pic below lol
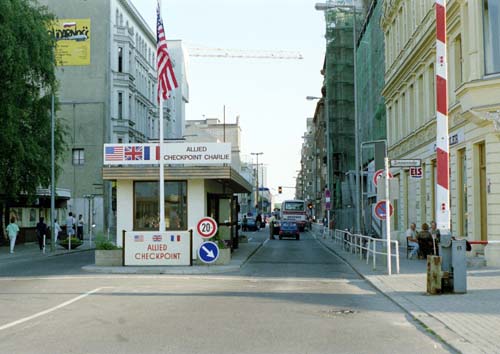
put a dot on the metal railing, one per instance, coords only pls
(365, 245)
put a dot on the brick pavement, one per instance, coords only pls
(469, 323)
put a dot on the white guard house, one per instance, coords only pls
(199, 182)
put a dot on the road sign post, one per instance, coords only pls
(388, 207)
(208, 252)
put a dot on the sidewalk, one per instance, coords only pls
(32, 251)
(470, 323)
(238, 258)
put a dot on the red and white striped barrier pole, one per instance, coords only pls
(442, 140)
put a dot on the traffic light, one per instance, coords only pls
(280, 189)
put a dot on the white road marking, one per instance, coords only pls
(52, 309)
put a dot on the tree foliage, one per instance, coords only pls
(27, 82)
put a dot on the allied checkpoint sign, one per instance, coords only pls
(150, 248)
(173, 154)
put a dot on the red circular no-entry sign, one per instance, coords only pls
(207, 227)
(377, 175)
(380, 210)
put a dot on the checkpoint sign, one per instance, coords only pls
(207, 227)
(380, 210)
(208, 252)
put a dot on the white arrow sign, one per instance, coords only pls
(210, 253)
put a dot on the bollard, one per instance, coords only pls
(434, 275)
(43, 244)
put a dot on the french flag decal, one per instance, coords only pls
(174, 238)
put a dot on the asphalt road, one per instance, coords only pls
(291, 297)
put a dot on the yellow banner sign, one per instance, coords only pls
(73, 41)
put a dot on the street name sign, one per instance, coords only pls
(380, 210)
(406, 163)
(208, 252)
(206, 227)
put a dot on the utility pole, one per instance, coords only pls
(257, 185)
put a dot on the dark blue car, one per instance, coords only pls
(289, 229)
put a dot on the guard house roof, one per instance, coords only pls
(222, 174)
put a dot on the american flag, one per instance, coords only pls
(157, 238)
(166, 76)
(114, 153)
(139, 238)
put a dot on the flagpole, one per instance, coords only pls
(162, 171)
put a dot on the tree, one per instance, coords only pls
(27, 82)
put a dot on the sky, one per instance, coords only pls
(269, 95)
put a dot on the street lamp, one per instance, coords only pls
(327, 140)
(257, 190)
(324, 7)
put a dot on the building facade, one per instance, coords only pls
(473, 29)
(108, 98)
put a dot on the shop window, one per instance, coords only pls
(491, 29)
(147, 209)
(78, 156)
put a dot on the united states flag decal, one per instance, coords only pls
(114, 153)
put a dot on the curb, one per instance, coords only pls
(194, 270)
(432, 325)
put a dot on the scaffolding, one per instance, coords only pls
(370, 61)
(370, 65)
(339, 82)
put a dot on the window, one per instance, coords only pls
(120, 105)
(147, 209)
(491, 29)
(458, 61)
(120, 59)
(78, 157)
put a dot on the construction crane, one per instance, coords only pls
(244, 54)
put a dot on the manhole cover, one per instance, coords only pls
(342, 312)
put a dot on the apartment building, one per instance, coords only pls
(473, 29)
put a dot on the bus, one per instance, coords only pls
(294, 210)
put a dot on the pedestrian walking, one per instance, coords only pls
(271, 227)
(244, 223)
(79, 227)
(12, 232)
(57, 230)
(41, 232)
(70, 225)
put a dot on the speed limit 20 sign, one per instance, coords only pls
(207, 227)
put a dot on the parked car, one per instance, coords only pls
(289, 229)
